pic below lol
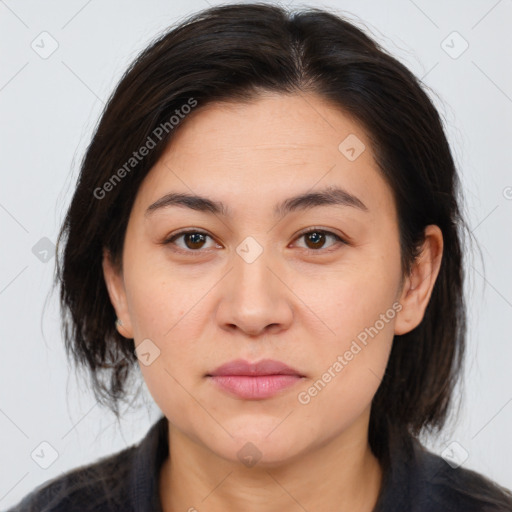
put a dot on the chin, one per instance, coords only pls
(253, 446)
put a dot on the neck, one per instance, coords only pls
(341, 474)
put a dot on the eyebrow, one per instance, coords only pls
(331, 196)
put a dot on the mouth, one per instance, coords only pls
(255, 381)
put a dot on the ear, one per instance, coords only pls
(116, 291)
(418, 285)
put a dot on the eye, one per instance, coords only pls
(193, 240)
(315, 238)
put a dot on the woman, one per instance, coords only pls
(267, 223)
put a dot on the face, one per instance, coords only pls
(314, 284)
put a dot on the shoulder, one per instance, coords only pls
(99, 486)
(447, 488)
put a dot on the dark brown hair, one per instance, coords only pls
(232, 53)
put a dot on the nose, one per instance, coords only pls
(255, 298)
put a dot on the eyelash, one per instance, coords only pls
(170, 240)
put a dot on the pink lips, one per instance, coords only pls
(253, 381)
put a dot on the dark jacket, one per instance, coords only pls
(416, 481)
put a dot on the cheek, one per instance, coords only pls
(159, 297)
(364, 304)
(350, 363)
(359, 308)
(353, 297)
(165, 307)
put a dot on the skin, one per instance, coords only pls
(300, 302)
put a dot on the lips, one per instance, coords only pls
(255, 381)
(240, 367)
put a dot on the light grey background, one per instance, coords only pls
(48, 108)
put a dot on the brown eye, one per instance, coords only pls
(193, 240)
(315, 239)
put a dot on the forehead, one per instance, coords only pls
(295, 124)
(273, 147)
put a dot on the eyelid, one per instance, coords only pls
(185, 232)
